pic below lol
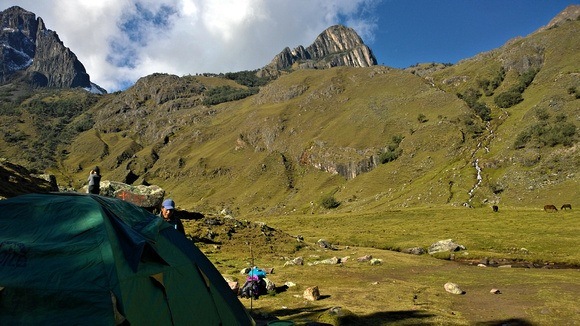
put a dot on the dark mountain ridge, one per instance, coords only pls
(35, 55)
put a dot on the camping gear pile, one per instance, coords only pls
(77, 259)
(255, 284)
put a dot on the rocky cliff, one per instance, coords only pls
(336, 46)
(33, 54)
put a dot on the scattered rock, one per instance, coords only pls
(364, 258)
(295, 261)
(269, 270)
(376, 261)
(324, 244)
(453, 288)
(445, 245)
(270, 286)
(311, 293)
(329, 261)
(481, 265)
(495, 291)
(414, 251)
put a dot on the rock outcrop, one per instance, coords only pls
(572, 12)
(35, 55)
(336, 46)
(16, 180)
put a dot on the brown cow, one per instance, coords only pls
(550, 208)
(566, 206)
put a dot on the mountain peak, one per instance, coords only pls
(338, 45)
(35, 55)
(572, 12)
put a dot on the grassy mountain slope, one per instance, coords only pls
(261, 154)
(314, 135)
(544, 169)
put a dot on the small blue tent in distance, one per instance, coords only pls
(76, 259)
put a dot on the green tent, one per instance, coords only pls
(76, 259)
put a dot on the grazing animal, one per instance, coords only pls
(566, 206)
(495, 208)
(550, 208)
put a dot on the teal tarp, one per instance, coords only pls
(76, 259)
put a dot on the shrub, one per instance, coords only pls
(508, 99)
(542, 114)
(389, 155)
(513, 96)
(422, 118)
(223, 94)
(392, 150)
(482, 111)
(397, 139)
(522, 139)
(84, 123)
(470, 96)
(247, 78)
(329, 202)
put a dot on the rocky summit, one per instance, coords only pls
(336, 46)
(35, 55)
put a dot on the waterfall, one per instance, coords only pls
(479, 179)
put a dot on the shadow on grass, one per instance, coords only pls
(309, 316)
(506, 322)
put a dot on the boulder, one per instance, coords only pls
(453, 288)
(414, 251)
(376, 261)
(270, 286)
(148, 197)
(324, 244)
(295, 261)
(444, 245)
(364, 258)
(311, 293)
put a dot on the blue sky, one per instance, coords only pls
(120, 41)
(448, 31)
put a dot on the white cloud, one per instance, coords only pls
(121, 41)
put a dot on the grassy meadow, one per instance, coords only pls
(406, 289)
(548, 237)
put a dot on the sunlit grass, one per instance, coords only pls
(523, 234)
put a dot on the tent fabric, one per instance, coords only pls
(78, 259)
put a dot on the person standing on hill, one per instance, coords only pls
(168, 214)
(95, 181)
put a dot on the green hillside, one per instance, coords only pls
(499, 128)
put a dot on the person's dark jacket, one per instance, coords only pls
(176, 222)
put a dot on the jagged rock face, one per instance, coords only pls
(35, 54)
(336, 46)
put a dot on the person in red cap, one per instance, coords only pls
(168, 214)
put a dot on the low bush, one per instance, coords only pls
(329, 202)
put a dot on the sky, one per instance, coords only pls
(120, 41)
